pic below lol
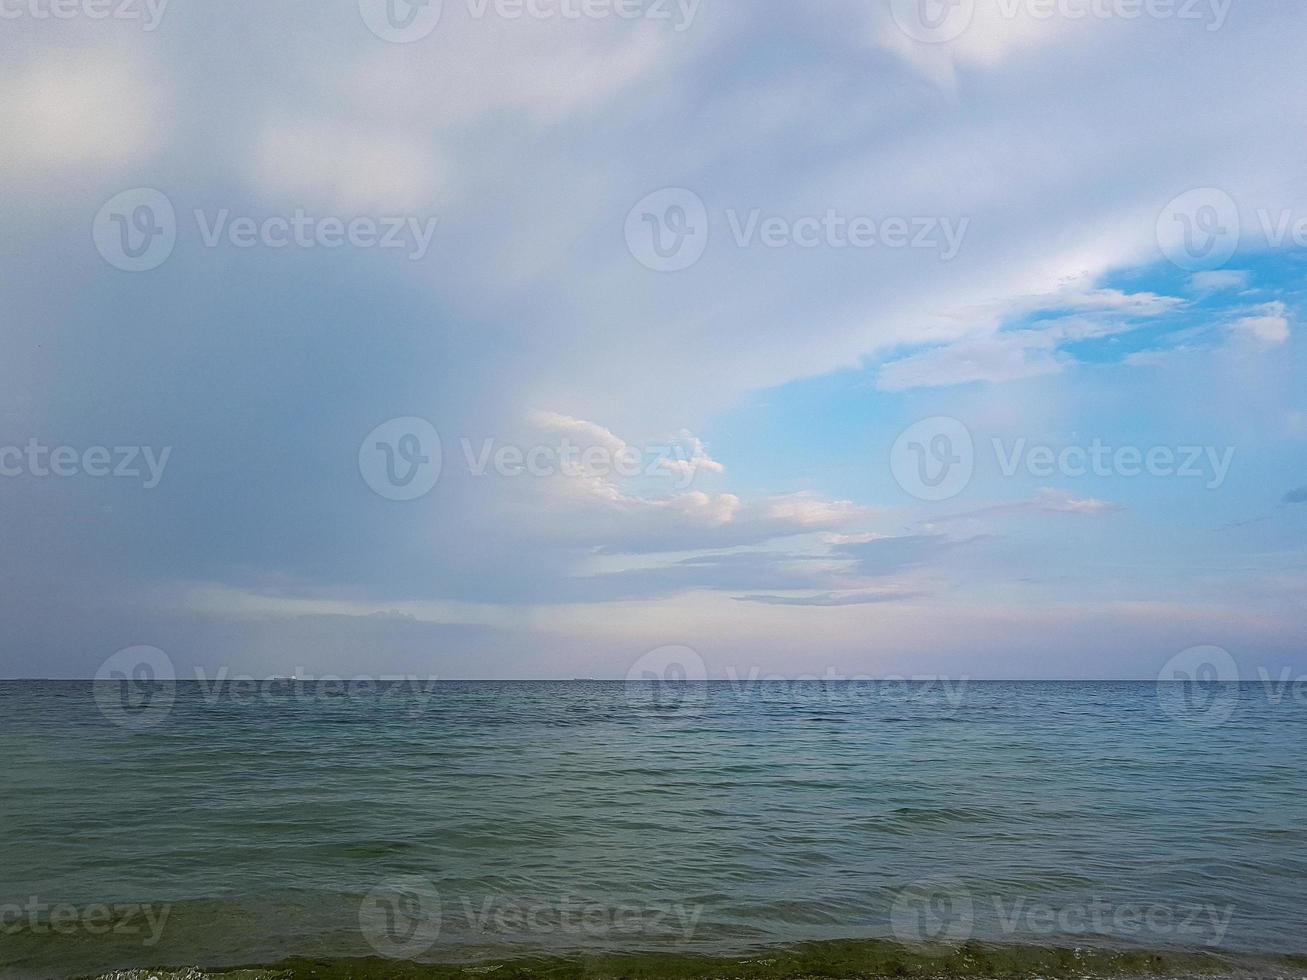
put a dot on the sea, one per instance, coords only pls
(588, 828)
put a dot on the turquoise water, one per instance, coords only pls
(461, 821)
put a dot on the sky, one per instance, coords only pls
(562, 338)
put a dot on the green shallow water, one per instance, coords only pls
(869, 959)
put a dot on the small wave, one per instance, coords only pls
(863, 959)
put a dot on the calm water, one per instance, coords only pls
(450, 821)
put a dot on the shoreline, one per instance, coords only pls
(834, 959)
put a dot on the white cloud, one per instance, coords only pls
(1270, 324)
(805, 510)
(1219, 280)
(1004, 357)
(548, 70)
(596, 507)
(1064, 502)
(691, 457)
(75, 110)
(350, 169)
(990, 39)
(1081, 313)
(586, 433)
(1047, 500)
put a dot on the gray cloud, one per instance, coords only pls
(831, 600)
(264, 369)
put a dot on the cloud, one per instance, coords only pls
(1219, 280)
(1270, 325)
(1005, 357)
(586, 433)
(546, 72)
(532, 142)
(692, 458)
(600, 507)
(1073, 314)
(633, 525)
(1047, 500)
(878, 556)
(1298, 496)
(1053, 501)
(989, 39)
(830, 600)
(70, 111)
(778, 571)
(320, 163)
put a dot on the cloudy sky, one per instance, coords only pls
(505, 339)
